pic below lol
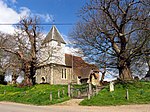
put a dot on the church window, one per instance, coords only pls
(64, 74)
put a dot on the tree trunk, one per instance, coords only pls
(14, 79)
(125, 73)
(32, 72)
(28, 81)
(2, 77)
(124, 67)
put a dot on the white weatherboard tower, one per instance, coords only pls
(52, 57)
(53, 48)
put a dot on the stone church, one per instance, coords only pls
(57, 67)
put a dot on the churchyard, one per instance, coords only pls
(45, 94)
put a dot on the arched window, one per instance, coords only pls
(43, 80)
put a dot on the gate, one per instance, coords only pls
(82, 91)
(79, 91)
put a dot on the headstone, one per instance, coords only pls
(111, 86)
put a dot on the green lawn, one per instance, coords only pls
(139, 93)
(37, 95)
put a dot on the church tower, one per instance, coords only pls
(54, 48)
(56, 66)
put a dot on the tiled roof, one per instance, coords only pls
(53, 35)
(80, 67)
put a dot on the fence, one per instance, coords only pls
(60, 93)
(82, 91)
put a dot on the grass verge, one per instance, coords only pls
(37, 95)
(139, 93)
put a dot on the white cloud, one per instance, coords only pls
(9, 15)
(49, 18)
(7, 29)
(14, 1)
(45, 17)
(69, 49)
(24, 12)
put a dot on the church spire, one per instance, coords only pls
(54, 35)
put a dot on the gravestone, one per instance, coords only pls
(111, 86)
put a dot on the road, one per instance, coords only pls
(15, 107)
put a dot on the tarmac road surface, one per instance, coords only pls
(15, 107)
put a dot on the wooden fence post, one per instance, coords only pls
(90, 88)
(89, 96)
(4, 92)
(127, 94)
(79, 93)
(71, 92)
(24, 92)
(69, 89)
(51, 97)
(87, 90)
(93, 92)
(63, 92)
(96, 90)
(58, 93)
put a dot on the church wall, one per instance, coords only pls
(58, 72)
(45, 73)
(55, 75)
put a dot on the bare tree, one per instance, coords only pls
(9, 61)
(24, 46)
(140, 64)
(112, 26)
